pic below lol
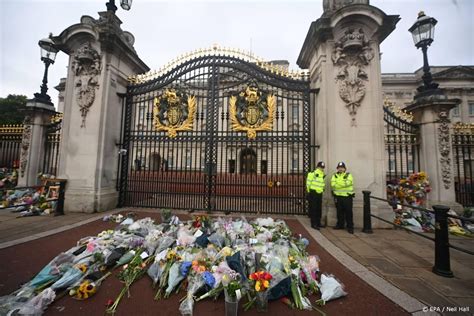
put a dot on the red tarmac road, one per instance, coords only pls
(22, 262)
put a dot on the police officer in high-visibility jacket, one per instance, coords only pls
(342, 185)
(315, 188)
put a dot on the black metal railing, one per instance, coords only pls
(463, 156)
(402, 147)
(10, 145)
(51, 155)
(53, 191)
(442, 264)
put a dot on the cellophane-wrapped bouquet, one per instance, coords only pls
(196, 259)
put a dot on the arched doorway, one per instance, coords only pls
(155, 162)
(248, 161)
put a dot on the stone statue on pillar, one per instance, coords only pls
(333, 5)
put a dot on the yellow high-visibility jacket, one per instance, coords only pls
(315, 181)
(342, 184)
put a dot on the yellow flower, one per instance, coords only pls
(266, 284)
(82, 267)
(170, 255)
(226, 251)
(257, 286)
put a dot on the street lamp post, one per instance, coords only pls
(48, 55)
(423, 35)
(125, 4)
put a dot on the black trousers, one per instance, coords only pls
(315, 205)
(344, 211)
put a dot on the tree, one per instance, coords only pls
(12, 108)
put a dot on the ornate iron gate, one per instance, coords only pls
(53, 138)
(217, 131)
(401, 142)
(10, 145)
(463, 154)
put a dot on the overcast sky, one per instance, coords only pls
(165, 29)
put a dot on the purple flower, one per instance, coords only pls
(184, 269)
(209, 278)
(136, 242)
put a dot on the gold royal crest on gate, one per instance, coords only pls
(174, 112)
(252, 111)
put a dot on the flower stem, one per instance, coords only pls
(111, 309)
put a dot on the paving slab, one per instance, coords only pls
(385, 266)
(455, 287)
(405, 258)
(413, 246)
(361, 249)
(408, 302)
(421, 290)
(407, 261)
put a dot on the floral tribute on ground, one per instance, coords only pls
(27, 201)
(411, 191)
(257, 261)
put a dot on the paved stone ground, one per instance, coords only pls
(405, 260)
(23, 264)
(394, 262)
(14, 230)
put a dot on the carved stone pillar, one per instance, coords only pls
(33, 141)
(436, 154)
(101, 58)
(342, 52)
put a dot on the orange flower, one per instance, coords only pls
(262, 280)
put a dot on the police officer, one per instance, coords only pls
(343, 189)
(315, 188)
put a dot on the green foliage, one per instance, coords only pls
(12, 108)
(468, 212)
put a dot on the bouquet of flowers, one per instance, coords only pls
(130, 273)
(201, 221)
(411, 191)
(261, 259)
(166, 263)
(262, 280)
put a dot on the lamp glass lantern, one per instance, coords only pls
(48, 50)
(423, 30)
(126, 4)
